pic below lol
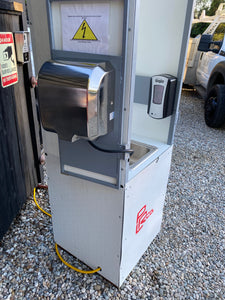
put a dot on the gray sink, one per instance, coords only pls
(141, 152)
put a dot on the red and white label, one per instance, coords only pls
(142, 217)
(8, 64)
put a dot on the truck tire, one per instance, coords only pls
(215, 106)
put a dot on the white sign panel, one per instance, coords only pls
(85, 27)
(8, 64)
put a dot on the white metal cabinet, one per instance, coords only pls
(104, 224)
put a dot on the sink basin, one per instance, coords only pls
(141, 152)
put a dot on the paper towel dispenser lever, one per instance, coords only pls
(76, 99)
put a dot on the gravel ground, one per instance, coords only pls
(185, 261)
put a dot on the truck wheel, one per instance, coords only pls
(215, 106)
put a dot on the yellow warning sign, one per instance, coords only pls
(84, 32)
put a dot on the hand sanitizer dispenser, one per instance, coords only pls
(162, 96)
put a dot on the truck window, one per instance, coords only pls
(219, 33)
(217, 38)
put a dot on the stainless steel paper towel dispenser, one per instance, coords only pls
(76, 100)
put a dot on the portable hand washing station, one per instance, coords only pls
(109, 83)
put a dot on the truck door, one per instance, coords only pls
(208, 60)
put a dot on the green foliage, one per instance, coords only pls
(198, 28)
(214, 7)
(200, 5)
(219, 33)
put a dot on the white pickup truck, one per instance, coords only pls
(206, 69)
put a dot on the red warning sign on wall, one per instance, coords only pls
(8, 64)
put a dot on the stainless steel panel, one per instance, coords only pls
(76, 99)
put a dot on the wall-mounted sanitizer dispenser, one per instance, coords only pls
(76, 99)
(108, 121)
(162, 96)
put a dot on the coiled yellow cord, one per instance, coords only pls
(56, 246)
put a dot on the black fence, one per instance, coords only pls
(19, 129)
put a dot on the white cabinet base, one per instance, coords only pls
(102, 226)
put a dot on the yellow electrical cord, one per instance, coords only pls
(45, 212)
(73, 268)
(56, 246)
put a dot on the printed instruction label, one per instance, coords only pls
(8, 64)
(25, 42)
(85, 27)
